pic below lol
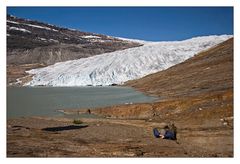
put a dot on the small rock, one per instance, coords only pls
(139, 153)
(89, 111)
(225, 123)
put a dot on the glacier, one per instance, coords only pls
(123, 65)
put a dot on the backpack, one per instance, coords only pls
(173, 130)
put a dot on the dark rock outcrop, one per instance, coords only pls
(31, 41)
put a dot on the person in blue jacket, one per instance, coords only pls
(165, 133)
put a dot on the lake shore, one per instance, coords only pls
(200, 133)
(204, 129)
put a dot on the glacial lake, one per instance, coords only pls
(45, 101)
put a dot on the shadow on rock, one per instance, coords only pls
(62, 128)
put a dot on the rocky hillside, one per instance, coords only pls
(31, 42)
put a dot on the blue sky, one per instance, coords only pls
(146, 23)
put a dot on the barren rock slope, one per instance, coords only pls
(30, 41)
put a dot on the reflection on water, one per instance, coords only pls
(44, 101)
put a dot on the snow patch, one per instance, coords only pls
(42, 27)
(12, 22)
(43, 39)
(19, 29)
(135, 40)
(91, 37)
(72, 29)
(120, 66)
(31, 25)
(53, 40)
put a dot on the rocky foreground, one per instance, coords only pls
(196, 95)
(27, 137)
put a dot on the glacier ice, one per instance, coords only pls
(120, 66)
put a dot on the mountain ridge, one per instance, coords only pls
(31, 42)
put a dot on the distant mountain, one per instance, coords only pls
(120, 66)
(31, 42)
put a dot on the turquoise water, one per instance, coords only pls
(45, 101)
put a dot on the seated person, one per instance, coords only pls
(165, 133)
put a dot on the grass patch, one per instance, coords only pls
(77, 121)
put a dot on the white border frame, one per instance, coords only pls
(234, 3)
